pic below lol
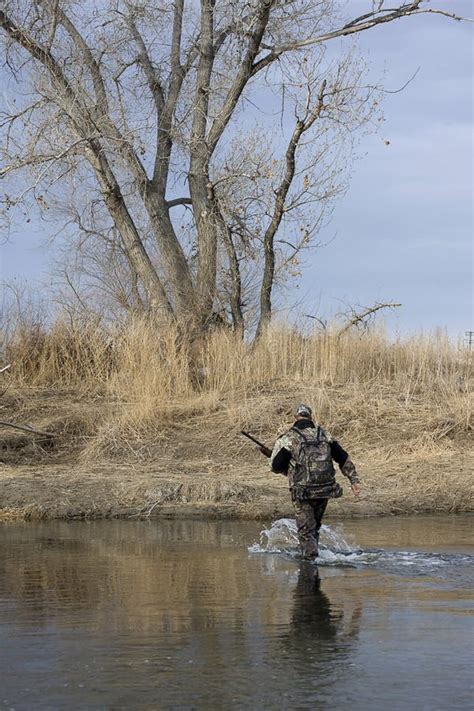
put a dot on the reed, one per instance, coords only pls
(65, 354)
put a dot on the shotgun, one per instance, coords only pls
(263, 448)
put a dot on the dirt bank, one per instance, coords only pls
(201, 466)
(205, 488)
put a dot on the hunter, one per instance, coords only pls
(305, 454)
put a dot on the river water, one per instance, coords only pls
(220, 615)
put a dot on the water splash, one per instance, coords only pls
(282, 537)
(279, 538)
(335, 550)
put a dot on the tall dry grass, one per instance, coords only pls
(78, 355)
(358, 384)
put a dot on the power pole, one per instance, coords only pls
(469, 339)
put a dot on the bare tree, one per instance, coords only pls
(195, 148)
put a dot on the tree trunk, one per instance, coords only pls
(136, 253)
(175, 264)
(199, 183)
(235, 296)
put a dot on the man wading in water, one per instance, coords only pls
(305, 454)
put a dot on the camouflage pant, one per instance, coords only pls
(309, 514)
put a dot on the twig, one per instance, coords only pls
(5, 367)
(27, 428)
(323, 324)
(152, 507)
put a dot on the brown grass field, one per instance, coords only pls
(146, 422)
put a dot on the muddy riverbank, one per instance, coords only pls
(204, 488)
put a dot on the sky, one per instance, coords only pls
(403, 231)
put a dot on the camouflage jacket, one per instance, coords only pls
(282, 460)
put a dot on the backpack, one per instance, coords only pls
(313, 467)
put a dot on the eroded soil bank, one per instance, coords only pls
(203, 467)
(202, 489)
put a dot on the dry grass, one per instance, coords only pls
(64, 355)
(147, 420)
(374, 393)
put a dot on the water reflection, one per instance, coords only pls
(175, 578)
(312, 615)
(179, 615)
(319, 639)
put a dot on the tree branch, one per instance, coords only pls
(268, 241)
(40, 159)
(164, 141)
(54, 24)
(27, 428)
(91, 63)
(243, 75)
(360, 317)
(322, 323)
(179, 201)
(151, 76)
(39, 52)
(360, 24)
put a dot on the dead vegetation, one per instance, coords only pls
(164, 407)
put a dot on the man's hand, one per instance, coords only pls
(356, 488)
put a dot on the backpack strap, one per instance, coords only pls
(295, 429)
(300, 432)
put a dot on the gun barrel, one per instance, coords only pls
(251, 438)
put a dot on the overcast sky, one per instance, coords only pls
(403, 232)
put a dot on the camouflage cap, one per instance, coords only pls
(303, 411)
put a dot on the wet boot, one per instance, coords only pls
(309, 549)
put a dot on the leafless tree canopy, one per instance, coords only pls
(189, 149)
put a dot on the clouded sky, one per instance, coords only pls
(403, 232)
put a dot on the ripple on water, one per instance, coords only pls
(335, 550)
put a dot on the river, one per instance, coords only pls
(193, 614)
